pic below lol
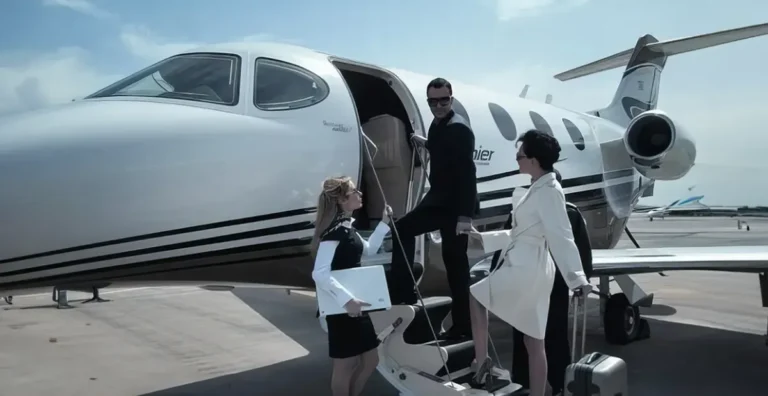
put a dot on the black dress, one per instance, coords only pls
(347, 336)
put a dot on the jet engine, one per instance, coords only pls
(658, 147)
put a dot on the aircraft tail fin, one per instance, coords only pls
(639, 87)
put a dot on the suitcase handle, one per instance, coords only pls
(575, 302)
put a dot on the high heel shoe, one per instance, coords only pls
(483, 377)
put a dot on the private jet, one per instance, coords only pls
(204, 168)
(679, 204)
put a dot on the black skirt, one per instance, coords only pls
(350, 337)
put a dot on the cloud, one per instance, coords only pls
(29, 80)
(510, 9)
(142, 43)
(82, 6)
(33, 80)
(582, 95)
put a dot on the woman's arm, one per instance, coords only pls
(557, 231)
(321, 274)
(497, 255)
(372, 245)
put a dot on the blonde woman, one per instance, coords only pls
(352, 340)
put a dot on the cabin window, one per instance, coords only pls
(576, 136)
(283, 86)
(503, 121)
(199, 77)
(540, 123)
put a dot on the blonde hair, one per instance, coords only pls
(334, 188)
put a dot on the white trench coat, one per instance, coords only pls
(518, 291)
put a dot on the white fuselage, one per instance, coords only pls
(137, 189)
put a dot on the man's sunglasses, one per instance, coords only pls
(434, 102)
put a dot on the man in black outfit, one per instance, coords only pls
(449, 207)
(556, 339)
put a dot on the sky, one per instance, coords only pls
(52, 51)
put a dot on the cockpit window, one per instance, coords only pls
(212, 78)
(283, 86)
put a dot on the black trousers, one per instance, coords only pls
(556, 341)
(421, 220)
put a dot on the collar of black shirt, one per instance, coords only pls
(445, 119)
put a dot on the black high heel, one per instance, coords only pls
(483, 377)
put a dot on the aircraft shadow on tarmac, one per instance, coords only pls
(677, 360)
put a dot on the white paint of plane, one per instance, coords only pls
(204, 169)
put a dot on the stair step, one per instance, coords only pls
(461, 353)
(418, 332)
(497, 385)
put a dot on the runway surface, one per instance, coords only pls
(707, 335)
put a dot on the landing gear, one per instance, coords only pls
(8, 300)
(95, 297)
(622, 321)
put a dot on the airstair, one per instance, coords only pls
(413, 361)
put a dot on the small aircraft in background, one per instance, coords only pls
(689, 203)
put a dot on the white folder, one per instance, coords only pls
(367, 283)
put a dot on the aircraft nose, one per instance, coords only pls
(51, 125)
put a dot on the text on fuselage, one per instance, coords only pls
(482, 156)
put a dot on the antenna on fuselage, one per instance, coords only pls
(524, 91)
(548, 100)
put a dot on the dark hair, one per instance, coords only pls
(558, 176)
(542, 146)
(439, 83)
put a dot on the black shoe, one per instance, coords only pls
(483, 378)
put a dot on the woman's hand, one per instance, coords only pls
(354, 307)
(583, 290)
(386, 215)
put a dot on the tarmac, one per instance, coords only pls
(708, 335)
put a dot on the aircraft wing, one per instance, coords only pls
(611, 262)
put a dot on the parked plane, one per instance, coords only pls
(661, 212)
(204, 168)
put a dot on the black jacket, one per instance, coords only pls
(580, 237)
(452, 176)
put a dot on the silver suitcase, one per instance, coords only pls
(594, 374)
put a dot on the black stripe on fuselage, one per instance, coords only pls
(586, 200)
(161, 234)
(568, 183)
(304, 225)
(278, 250)
(607, 175)
(214, 258)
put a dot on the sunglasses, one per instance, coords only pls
(443, 101)
(355, 191)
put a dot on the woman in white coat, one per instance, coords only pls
(518, 290)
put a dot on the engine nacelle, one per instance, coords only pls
(659, 148)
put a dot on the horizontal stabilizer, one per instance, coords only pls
(668, 48)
